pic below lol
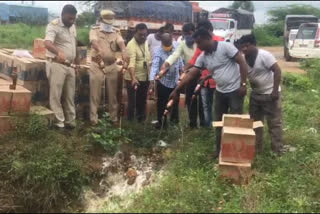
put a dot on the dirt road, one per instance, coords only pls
(293, 67)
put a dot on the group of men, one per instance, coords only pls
(156, 63)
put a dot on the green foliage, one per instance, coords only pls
(271, 33)
(192, 184)
(265, 36)
(297, 82)
(40, 167)
(31, 127)
(109, 137)
(86, 19)
(21, 36)
(278, 14)
(312, 66)
(244, 5)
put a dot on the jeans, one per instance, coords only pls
(207, 100)
(226, 103)
(163, 96)
(193, 109)
(261, 106)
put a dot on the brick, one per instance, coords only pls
(39, 50)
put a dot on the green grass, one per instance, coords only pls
(21, 36)
(287, 184)
(266, 36)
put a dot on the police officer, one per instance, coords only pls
(107, 46)
(60, 42)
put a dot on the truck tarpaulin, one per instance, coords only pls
(169, 11)
(244, 18)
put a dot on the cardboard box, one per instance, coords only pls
(237, 138)
(238, 173)
(5, 101)
(39, 50)
(14, 101)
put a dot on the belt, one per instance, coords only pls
(54, 60)
(98, 60)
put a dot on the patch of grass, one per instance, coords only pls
(41, 169)
(281, 184)
(21, 36)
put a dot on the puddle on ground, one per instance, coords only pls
(122, 177)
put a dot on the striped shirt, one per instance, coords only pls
(170, 79)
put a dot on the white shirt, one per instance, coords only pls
(222, 66)
(260, 75)
(153, 43)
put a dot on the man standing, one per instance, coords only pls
(154, 41)
(208, 85)
(107, 46)
(169, 81)
(137, 79)
(60, 42)
(222, 60)
(186, 50)
(264, 75)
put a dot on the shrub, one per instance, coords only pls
(107, 136)
(296, 81)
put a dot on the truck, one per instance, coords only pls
(231, 24)
(293, 22)
(154, 14)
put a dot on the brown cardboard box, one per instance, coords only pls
(14, 101)
(5, 101)
(238, 138)
(239, 173)
(39, 50)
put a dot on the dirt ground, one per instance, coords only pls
(292, 67)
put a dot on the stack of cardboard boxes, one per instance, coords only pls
(237, 147)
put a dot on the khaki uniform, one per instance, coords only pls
(111, 72)
(61, 78)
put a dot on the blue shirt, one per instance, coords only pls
(170, 79)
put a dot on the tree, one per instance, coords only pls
(244, 5)
(86, 18)
(277, 16)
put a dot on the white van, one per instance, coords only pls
(292, 37)
(307, 42)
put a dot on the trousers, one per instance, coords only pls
(109, 77)
(226, 103)
(62, 83)
(260, 107)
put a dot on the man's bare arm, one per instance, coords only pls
(276, 79)
(243, 73)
